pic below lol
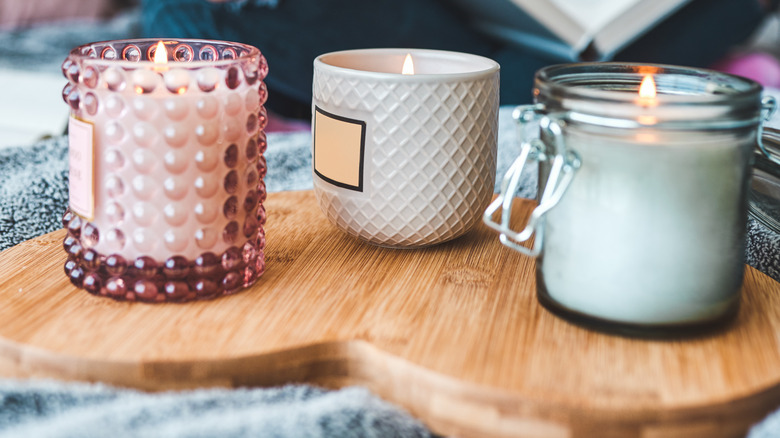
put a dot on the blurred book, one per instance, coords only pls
(569, 30)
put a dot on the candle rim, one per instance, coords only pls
(545, 81)
(77, 53)
(488, 66)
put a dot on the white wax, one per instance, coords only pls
(651, 230)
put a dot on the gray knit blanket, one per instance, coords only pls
(54, 409)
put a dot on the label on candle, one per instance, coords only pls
(339, 148)
(81, 185)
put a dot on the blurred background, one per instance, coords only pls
(36, 36)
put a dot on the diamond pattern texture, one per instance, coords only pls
(430, 155)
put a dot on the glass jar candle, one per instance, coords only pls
(166, 168)
(644, 173)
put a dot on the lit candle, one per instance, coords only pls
(170, 208)
(408, 67)
(404, 142)
(649, 232)
(647, 98)
(647, 88)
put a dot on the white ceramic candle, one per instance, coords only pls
(404, 159)
(641, 223)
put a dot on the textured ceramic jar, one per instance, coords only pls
(166, 168)
(404, 160)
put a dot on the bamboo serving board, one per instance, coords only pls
(452, 333)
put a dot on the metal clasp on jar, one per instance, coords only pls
(768, 108)
(563, 164)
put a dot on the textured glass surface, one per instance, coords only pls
(171, 143)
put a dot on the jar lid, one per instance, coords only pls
(764, 195)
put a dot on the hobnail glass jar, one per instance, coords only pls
(166, 168)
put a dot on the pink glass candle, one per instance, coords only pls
(166, 168)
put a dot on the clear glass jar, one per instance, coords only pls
(643, 200)
(764, 198)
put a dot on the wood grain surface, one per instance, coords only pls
(453, 333)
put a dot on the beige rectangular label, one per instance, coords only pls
(339, 149)
(81, 155)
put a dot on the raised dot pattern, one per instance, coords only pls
(178, 215)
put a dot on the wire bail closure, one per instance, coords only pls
(768, 108)
(563, 164)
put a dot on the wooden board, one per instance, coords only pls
(452, 333)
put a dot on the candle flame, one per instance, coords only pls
(647, 88)
(408, 68)
(160, 59)
(160, 55)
